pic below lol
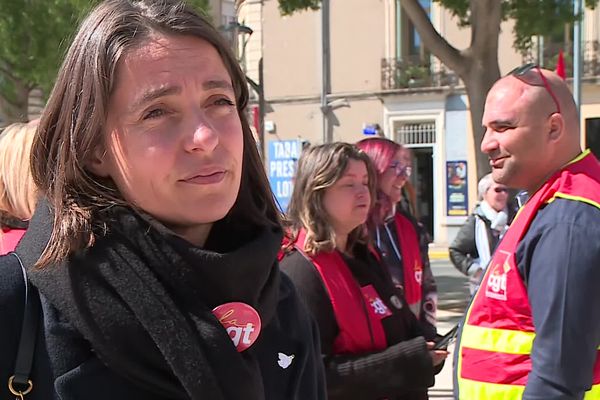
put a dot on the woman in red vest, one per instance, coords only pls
(372, 344)
(397, 234)
(18, 194)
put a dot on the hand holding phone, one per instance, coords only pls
(444, 341)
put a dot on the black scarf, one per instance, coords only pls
(8, 221)
(143, 296)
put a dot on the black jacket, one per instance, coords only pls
(66, 367)
(402, 371)
(463, 251)
(428, 306)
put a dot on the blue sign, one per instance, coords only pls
(283, 156)
(457, 190)
(371, 129)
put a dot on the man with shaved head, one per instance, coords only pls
(532, 330)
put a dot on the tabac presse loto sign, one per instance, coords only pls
(283, 156)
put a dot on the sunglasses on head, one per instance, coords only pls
(526, 74)
(400, 169)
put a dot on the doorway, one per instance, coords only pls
(592, 135)
(422, 180)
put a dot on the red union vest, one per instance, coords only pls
(358, 311)
(412, 264)
(496, 340)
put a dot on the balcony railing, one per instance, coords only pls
(406, 74)
(591, 58)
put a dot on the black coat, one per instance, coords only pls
(66, 368)
(404, 370)
(463, 251)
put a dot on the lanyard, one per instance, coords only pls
(392, 241)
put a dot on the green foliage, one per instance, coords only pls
(288, 7)
(532, 17)
(412, 76)
(458, 8)
(34, 35)
(540, 17)
(202, 6)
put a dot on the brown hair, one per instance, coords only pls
(72, 123)
(319, 168)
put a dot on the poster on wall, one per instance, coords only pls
(457, 193)
(283, 156)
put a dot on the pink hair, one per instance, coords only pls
(381, 151)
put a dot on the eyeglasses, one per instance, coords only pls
(400, 169)
(501, 190)
(522, 74)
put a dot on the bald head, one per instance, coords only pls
(537, 98)
(532, 128)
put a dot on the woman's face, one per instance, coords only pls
(174, 140)
(497, 196)
(348, 200)
(394, 177)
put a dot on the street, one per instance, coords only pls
(453, 293)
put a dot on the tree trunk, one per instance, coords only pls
(477, 86)
(483, 69)
(477, 65)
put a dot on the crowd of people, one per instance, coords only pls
(144, 255)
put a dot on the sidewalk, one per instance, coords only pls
(453, 295)
(443, 381)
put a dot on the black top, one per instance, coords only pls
(392, 257)
(72, 361)
(559, 258)
(403, 370)
(463, 250)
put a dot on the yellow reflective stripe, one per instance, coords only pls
(576, 198)
(593, 393)
(471, 390)
(497, 340)
(580, 157)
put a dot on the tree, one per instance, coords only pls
(35, 35)
(477, 65)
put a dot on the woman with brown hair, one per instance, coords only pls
(372, 345)
(155, 251)
(18, 194)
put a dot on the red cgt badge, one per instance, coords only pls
(241, 322)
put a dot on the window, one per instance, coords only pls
(415, 133)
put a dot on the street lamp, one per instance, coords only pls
(235, 29)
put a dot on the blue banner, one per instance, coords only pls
(283, 156)
(457, 193)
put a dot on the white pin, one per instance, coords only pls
(285, 360)
(396, 302)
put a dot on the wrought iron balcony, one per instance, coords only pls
(409, 74)
(590, 52)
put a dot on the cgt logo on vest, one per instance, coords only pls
(495, 287)
(418, 273)
(241, 322)
(377, 305)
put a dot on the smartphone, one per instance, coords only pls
(443, 342)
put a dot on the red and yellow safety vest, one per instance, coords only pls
(496, 340)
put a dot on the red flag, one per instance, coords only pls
(560, 66)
